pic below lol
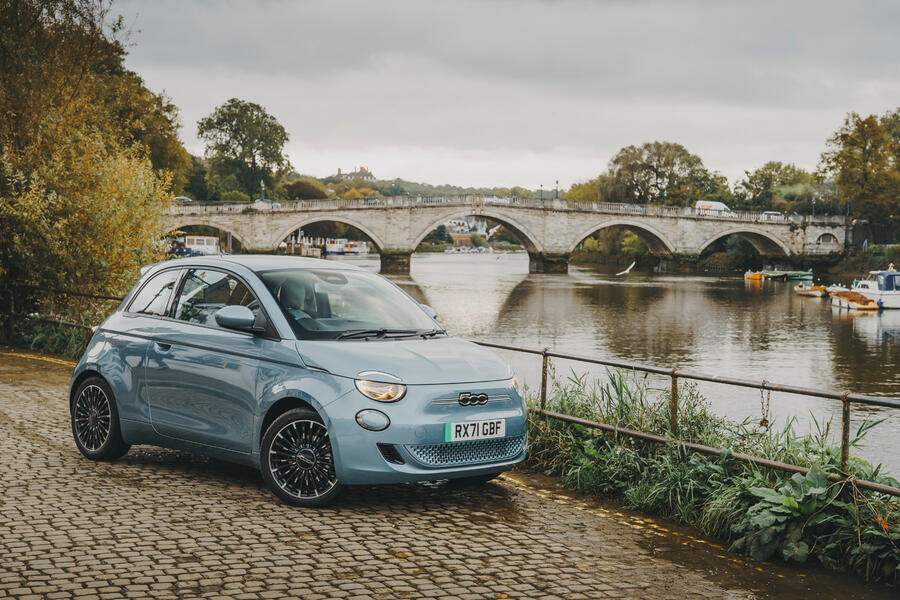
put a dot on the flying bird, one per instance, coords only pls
(625, 272)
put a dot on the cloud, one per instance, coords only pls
(503, 93)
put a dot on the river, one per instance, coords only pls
(713, 324)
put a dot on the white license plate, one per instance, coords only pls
(474, 430)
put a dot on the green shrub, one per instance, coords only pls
(49, 337)
(235, 196)
(764, 513)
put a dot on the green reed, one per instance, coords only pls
(764, 513)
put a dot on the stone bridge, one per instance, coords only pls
(549, 229)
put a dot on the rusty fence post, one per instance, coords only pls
(673, 405)
(845, 434)
(544, 378)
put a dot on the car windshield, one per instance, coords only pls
(339, 304)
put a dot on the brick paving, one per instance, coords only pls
(166, 524)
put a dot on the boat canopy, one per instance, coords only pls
(888, 281)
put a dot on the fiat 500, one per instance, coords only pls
(318, 373)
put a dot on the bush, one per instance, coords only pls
(764, 513)
(52, 338)
(235, 196)
(304, 190)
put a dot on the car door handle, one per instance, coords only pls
(163, 347)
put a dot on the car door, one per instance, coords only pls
(202, 378)
(130, 332)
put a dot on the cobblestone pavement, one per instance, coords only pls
(166, 524)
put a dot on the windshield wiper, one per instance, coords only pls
(356, 334)
(432, 332)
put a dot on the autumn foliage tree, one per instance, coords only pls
(80, 196)
(863, 159)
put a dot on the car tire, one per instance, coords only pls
(95, 421)
(296, 459)
(474, 481)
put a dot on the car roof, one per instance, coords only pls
(261, 262)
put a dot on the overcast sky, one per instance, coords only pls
(524, 92)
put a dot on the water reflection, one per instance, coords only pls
(720, 325)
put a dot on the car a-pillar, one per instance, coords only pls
(395, 261)
(548, 262)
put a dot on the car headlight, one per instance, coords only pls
(380, 391)
(516, 386)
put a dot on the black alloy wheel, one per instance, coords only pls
(296, 459)
(95, 421)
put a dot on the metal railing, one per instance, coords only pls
(481, 201)
(846, 398)
(52, 294)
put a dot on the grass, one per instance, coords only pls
(763, 513)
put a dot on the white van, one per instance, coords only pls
(716, 209)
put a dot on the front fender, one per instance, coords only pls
(316, 388)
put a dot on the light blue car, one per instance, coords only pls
(318, 373)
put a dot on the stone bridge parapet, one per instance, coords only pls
(549, 229)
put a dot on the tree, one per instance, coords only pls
(654, 173)
(439, 235)
(234, 196)
(304, 189)
(862, 159)
(196, 188)
(80, 200)
(769, 186)
(661, 173)
(150, 120)
(246, 142)
(588, 191)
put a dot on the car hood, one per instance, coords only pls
(414, 361)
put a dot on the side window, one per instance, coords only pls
(205, 291)
(154, 296)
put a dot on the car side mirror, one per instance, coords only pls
(239, 318)
(429, 311)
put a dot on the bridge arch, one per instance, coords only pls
(658, 244)
(764, 242)
(529, 240)
(328, 218)
(175, 224)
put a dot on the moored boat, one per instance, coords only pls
(816, 291)
(881, 287)
(798, 275)
(753, 275)
(853, 300)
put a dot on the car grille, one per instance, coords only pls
(455, 400)
(467, 453)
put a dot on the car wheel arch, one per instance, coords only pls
(281, 406)
(84, 375)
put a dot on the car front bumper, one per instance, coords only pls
(413, 446)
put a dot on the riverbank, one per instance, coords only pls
(858, 264)
(765, 514)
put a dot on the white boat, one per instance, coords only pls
(834, 288)
(336, 247)
(815, 291)
(882, 287)
(853, 300)
(357, 248)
